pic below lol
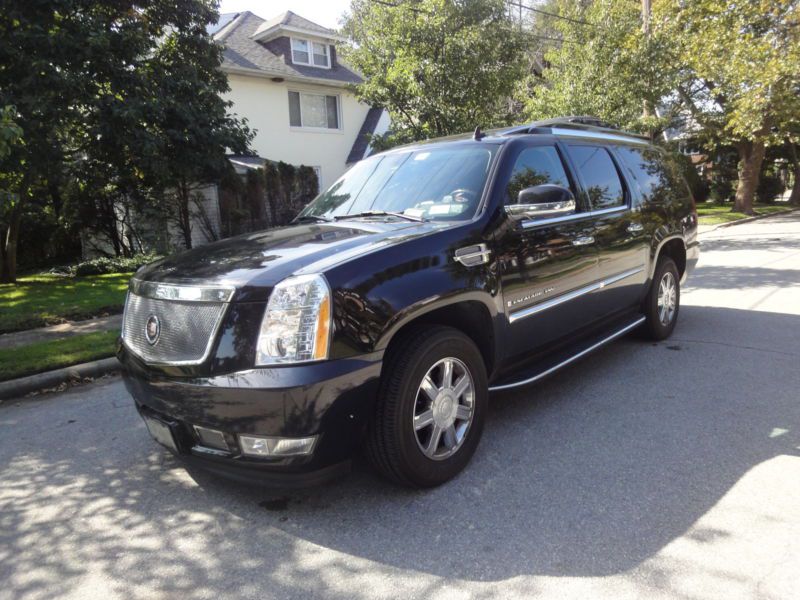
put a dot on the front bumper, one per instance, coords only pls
(331, 400)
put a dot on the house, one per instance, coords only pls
(287, 80)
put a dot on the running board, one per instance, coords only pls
(527, 378)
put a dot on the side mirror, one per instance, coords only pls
(543, 202)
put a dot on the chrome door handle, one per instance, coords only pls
(583, 241)
(635, 228)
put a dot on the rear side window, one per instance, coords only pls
(657, 179)
(599, 175)
(535, 166)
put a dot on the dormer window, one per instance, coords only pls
(314, 54)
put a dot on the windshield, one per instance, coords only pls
(442, 183)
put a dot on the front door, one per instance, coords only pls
(547, 264)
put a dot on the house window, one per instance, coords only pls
(306, 52)
(313, 110)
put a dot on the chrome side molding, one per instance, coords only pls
(574, 216)
(571, 359)
(593, 287)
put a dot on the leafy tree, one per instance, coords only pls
(439, 67)
(606, 66)
(10, 132)
(741, 73)
(794, 152)
(119, 103)
(790, 150)
(36, 57)
(194, 126)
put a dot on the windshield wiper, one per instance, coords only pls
(311, 219)
(380, 213)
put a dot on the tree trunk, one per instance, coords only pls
(184, 216)
(794, 198)
(8, 246)
(751, 155)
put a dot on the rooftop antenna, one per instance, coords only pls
(478, 135)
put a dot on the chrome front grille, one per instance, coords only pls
(185, 328)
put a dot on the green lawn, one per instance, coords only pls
(714, 214)
(40, 300)
(46, 356)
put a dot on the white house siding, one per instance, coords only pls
(94, 247)
(210, 206)
(265, 104)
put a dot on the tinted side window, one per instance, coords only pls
(535, 166)
(653, 175)
(599, 176)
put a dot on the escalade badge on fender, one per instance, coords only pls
(152, 330)
(531, 296)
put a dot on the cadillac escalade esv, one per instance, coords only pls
(425, 278)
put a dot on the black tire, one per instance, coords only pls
(392, 444)
(654, 327)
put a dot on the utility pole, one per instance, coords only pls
(647, 110)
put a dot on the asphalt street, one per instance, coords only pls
(667, 470)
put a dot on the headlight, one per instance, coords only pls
(297, 323)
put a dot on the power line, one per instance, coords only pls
(547, 37)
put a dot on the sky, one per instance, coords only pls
(323, 12)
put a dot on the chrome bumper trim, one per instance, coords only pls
(182, 293)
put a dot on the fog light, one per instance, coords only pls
(272, 446)
(211, 438)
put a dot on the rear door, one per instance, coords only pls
(547, 265)
(619, 233)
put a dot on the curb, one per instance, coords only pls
(25, 385)
(751, 219)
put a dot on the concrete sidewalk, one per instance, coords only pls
(60, 331)
(701, 229)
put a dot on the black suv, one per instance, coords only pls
(423, 279)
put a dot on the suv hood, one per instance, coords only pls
(253, 263)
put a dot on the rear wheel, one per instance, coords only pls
(430, 411)
(663, 300)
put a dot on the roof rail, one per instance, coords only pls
(566, 125)
(578, 120)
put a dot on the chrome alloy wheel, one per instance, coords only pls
(444, 408)
(667, 298)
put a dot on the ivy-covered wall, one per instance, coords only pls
(263, 198)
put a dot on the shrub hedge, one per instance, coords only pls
(104, 265)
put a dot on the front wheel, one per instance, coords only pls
(430, 411)
(663, 301)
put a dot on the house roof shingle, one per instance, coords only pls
(360, 146)
(223, 20)
(291, 19)
(243, 52)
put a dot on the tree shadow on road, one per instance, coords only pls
(589, 473)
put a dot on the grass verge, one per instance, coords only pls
(46, 356)
(40, 300)
(716, 214)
